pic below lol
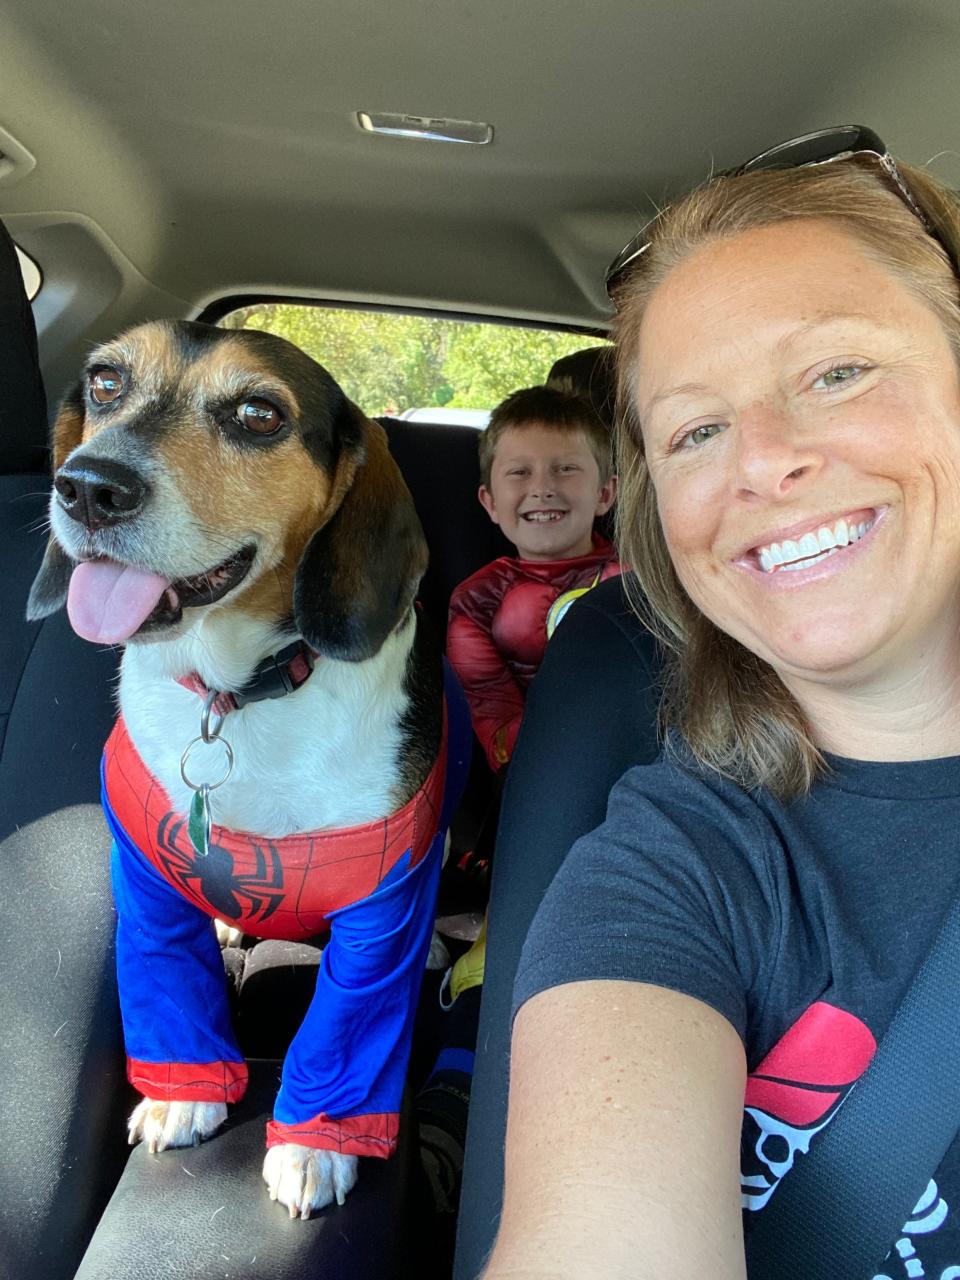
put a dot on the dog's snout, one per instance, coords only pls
(97, 492)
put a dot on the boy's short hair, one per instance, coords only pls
(556, 410)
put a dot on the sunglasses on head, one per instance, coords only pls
(844, 142)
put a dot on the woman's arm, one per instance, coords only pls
(623, 1138)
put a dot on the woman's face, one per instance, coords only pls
(801, 420)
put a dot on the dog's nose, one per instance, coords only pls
(97, 492)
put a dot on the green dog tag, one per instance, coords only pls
(198, 823)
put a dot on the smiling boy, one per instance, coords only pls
(546, 475)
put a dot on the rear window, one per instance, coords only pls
(425, 368)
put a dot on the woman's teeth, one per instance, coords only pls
(813, 546)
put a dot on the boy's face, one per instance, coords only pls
(545, 492)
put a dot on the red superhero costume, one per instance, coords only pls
(500, 620)
(373, 886)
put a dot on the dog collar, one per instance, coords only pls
(282, 673)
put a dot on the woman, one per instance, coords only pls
(713, 967)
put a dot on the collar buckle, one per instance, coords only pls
(282, 673)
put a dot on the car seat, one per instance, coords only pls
(591, 714)
(60, 1076)
(441, 468)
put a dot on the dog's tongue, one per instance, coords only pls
(107, 602)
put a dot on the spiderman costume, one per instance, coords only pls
(374, 887)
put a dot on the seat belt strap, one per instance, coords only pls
(843, 1205)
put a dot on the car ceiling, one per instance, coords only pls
(212, 147)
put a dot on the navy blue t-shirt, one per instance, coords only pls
(801, 923)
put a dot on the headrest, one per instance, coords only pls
(588, 373)
(23, 404)
(439, 464)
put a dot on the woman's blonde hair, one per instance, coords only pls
(731, 708)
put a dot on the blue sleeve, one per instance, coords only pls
(344, 1073)
(173, 998)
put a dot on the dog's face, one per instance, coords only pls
(199, 468)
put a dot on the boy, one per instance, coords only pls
(546, 475)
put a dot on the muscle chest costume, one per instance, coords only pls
(500, 620)
(373, 886)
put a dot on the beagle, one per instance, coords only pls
(289, 747)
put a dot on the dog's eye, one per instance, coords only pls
(106, 385)
(260, 416)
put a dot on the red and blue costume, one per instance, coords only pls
(373, 886)
(498, 632)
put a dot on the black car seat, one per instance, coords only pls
(60, 1076)
(442, 471)
(591, 714)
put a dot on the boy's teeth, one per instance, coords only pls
(812, 546)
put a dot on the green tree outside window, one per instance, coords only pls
(389, 363)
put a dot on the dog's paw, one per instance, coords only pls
(174, 1124)
(227, 934)
(304, 1179)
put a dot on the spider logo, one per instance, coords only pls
(213, 882)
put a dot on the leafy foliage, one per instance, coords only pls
(389, 363)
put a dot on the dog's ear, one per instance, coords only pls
(359, 573)
(49, 590)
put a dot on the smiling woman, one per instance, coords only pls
(790, 450)
(838, 336)
(790, 499)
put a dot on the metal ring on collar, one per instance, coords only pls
(206, 733)
(211, 786)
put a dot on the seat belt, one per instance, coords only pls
(843, 1205)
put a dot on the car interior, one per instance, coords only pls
(482, 162)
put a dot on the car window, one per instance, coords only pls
(424, 368)
(32, 279)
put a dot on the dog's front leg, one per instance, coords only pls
(344, 1073)
(174, 1124)
(182, 1055)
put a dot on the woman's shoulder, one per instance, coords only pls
(677, 793)
(680, 886)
